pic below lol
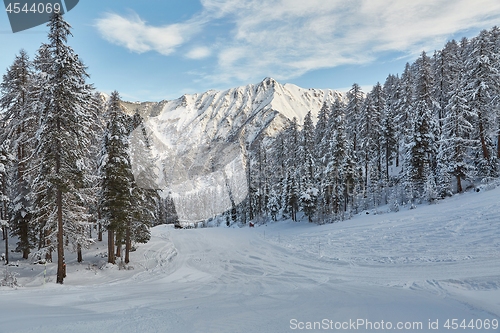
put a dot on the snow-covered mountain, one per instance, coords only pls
(228, 116)
(200, 140)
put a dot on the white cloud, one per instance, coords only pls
(287, 38)
(199, 52)
(137, 36)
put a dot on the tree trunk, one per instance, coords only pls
(99, 226)
(397, 154)
(365, 185)
(486, 153)
(119, 249)
(498, 146)
(6, 234)
(127, 243)
(111, 246)
(24, 239)
(459, 184)
(79, 253)
(61, 266)
(99, 233)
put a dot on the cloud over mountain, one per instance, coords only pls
(287, 38)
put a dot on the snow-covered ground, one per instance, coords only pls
(412, 271)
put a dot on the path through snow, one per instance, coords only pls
(437, 262)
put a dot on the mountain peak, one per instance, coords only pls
(257, 110)
(269, 82)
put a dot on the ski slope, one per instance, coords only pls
(415, 268)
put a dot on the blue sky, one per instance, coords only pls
(157, 49)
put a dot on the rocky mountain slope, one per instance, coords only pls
(200, 140)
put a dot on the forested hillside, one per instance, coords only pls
(65, 164)
(419, 137)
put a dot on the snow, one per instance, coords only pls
(433, 263)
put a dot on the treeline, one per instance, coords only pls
(419, 137)
(65, 164)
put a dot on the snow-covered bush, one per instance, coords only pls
(9, 279)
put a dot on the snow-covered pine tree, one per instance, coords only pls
(422, 151)
(354, 170)
(320, 131)
(334, 183)
(93, 179)
(369, 143)
(62, 143)
(5, 160)
(390, 137)
(352, 178)
(261, 178)
(309, 191)
(495, 38)
(482, 91)
(365, 146)
(167, 213)
(404, 110)
(256, 170)
(355, 100)
(390, 126)
(456, 144)
(273, 205)
(18, 103)
(444, 75)
(291, 184)
(145, 199)
(144, 215)
(307, 148)
(116, 176)
(376, 150)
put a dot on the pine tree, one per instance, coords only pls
(19, 104)
(144, 196)
(320, 131)
(377, 150)
(495, 38)
(444, 74)
(390, 127)
(370, 148)
(291, 186)
(482, 95)
(334, 183)
(404, 117)
(354, 169)
(364, 142)
(62, 143)
(273, 205)
(354, 109)
(5, 161)
(422, 150)
(307, 168)
(456, 143)
(306, 153)
(93, 179)
(116, 177)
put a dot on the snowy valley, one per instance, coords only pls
(435, 263)
(262, 208)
